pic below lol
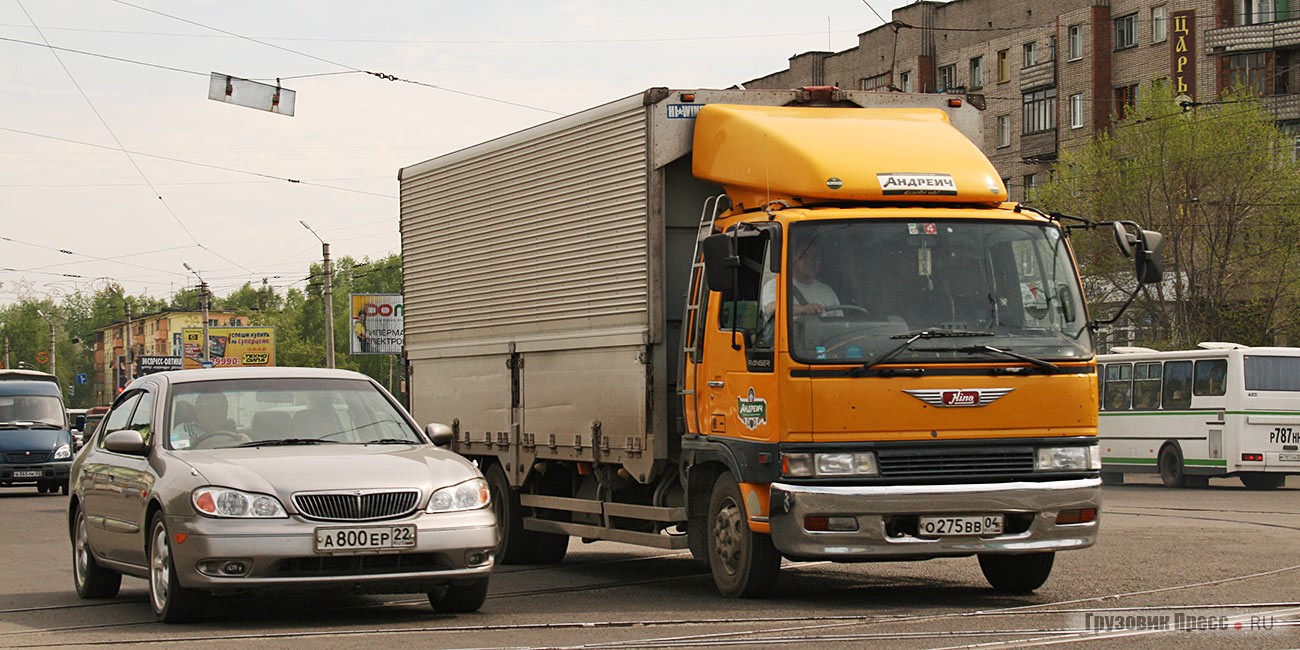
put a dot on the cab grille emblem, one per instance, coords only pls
(959, 397)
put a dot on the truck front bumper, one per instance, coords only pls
(886, 519)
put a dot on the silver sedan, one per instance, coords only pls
(220, 481)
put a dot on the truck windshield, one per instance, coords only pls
(855, 290)
(28, 410)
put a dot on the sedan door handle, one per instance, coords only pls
(715, 383)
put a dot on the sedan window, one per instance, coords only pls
(118, 418)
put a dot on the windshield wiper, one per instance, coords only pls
(391, 441)
(913, 337)
(28, 424)
(284, 442)
(1048, 365)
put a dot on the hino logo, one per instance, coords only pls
(959, 397)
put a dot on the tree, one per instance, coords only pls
(1220, 182)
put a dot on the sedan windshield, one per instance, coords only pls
(278, 412)
(960, 290)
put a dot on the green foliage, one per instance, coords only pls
(297, 316)
(1220, 182)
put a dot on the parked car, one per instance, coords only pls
(35, 442)
(219, 481)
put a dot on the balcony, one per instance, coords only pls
(1254, 38)
(1285, 108)
(1041, 146)
(1039, 75)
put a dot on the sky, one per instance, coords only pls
(115, 167)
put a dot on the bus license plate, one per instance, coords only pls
(369, 538)
(963, 525)
(1289, 458)
(28, 473)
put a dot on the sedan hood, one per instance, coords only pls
(283, 471)
(32, 439)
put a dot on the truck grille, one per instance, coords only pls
(947, 463)
(356, 505)
(27, 457)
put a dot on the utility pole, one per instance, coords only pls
(53, 367)
(203, 296)
(126, 340)
(6, 329)
(329, 298)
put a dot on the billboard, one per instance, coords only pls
(377, 325)
(230, 346)
(147, 364)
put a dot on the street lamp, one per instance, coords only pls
(53, 368)
(329, 298)
(203, 297)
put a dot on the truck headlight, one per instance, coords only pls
(470, 495)
(1068, 459)
(858, 463)
(63, 452)
(225, 502)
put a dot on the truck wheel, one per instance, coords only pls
(1262, 481)
(171, 602)
(516, 545)
(1171, 466)
(459, 598)
(90, 579)
(1019, 574)
(745, 564)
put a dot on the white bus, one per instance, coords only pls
(1222, 410)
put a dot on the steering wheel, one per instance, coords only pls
(201, 441)
(844, 308)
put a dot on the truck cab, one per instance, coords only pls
(35, 439)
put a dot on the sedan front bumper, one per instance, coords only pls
(886, 518)
(280, 554)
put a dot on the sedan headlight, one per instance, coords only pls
(225, 502)
(470, 495)
(1068, 459)
(63, 452)
(837, 464)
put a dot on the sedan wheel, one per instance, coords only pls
(171, 602)
(90, 579)
(459, 599)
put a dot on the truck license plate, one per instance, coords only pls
(28, 473)
(961, 525)
(369, 538)
(1289, 458)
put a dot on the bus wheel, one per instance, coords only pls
(744, 563)
(1171, 466)
(1019, 574)
(1262, 481)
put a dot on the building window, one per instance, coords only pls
(1039, 111)
(1126, 31)
(878, 82)
(1159, 24)
(1255, 12)
(1126, 98)
(1030, 54)
(1004, 67)
(1076, 111)
(905, 82)
(1281, 63)
(1031, 182)
(1075, 45)
(947, 77)
(977, 72)
(1247, 70)
(1050, 55)
(1004, 131)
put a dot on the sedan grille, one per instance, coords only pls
(356, 505)
(947, 463)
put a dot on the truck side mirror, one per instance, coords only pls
(1145, 247)
(733, 263)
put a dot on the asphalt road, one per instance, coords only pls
(1221, 560)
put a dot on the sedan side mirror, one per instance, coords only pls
(440, 434)
(126, 441)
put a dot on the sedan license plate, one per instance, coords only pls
(961, 525)
(369, 538)
(1289, 458)
(28, 473)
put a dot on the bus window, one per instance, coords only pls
(1272, 373)
(1211, 377)
(1178, 385)
(1119, 386)
(1146, 386)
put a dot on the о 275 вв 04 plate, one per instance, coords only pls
(370, 538)
(28, 473)
(963, 525)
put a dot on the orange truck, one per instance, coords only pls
(757, 325)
